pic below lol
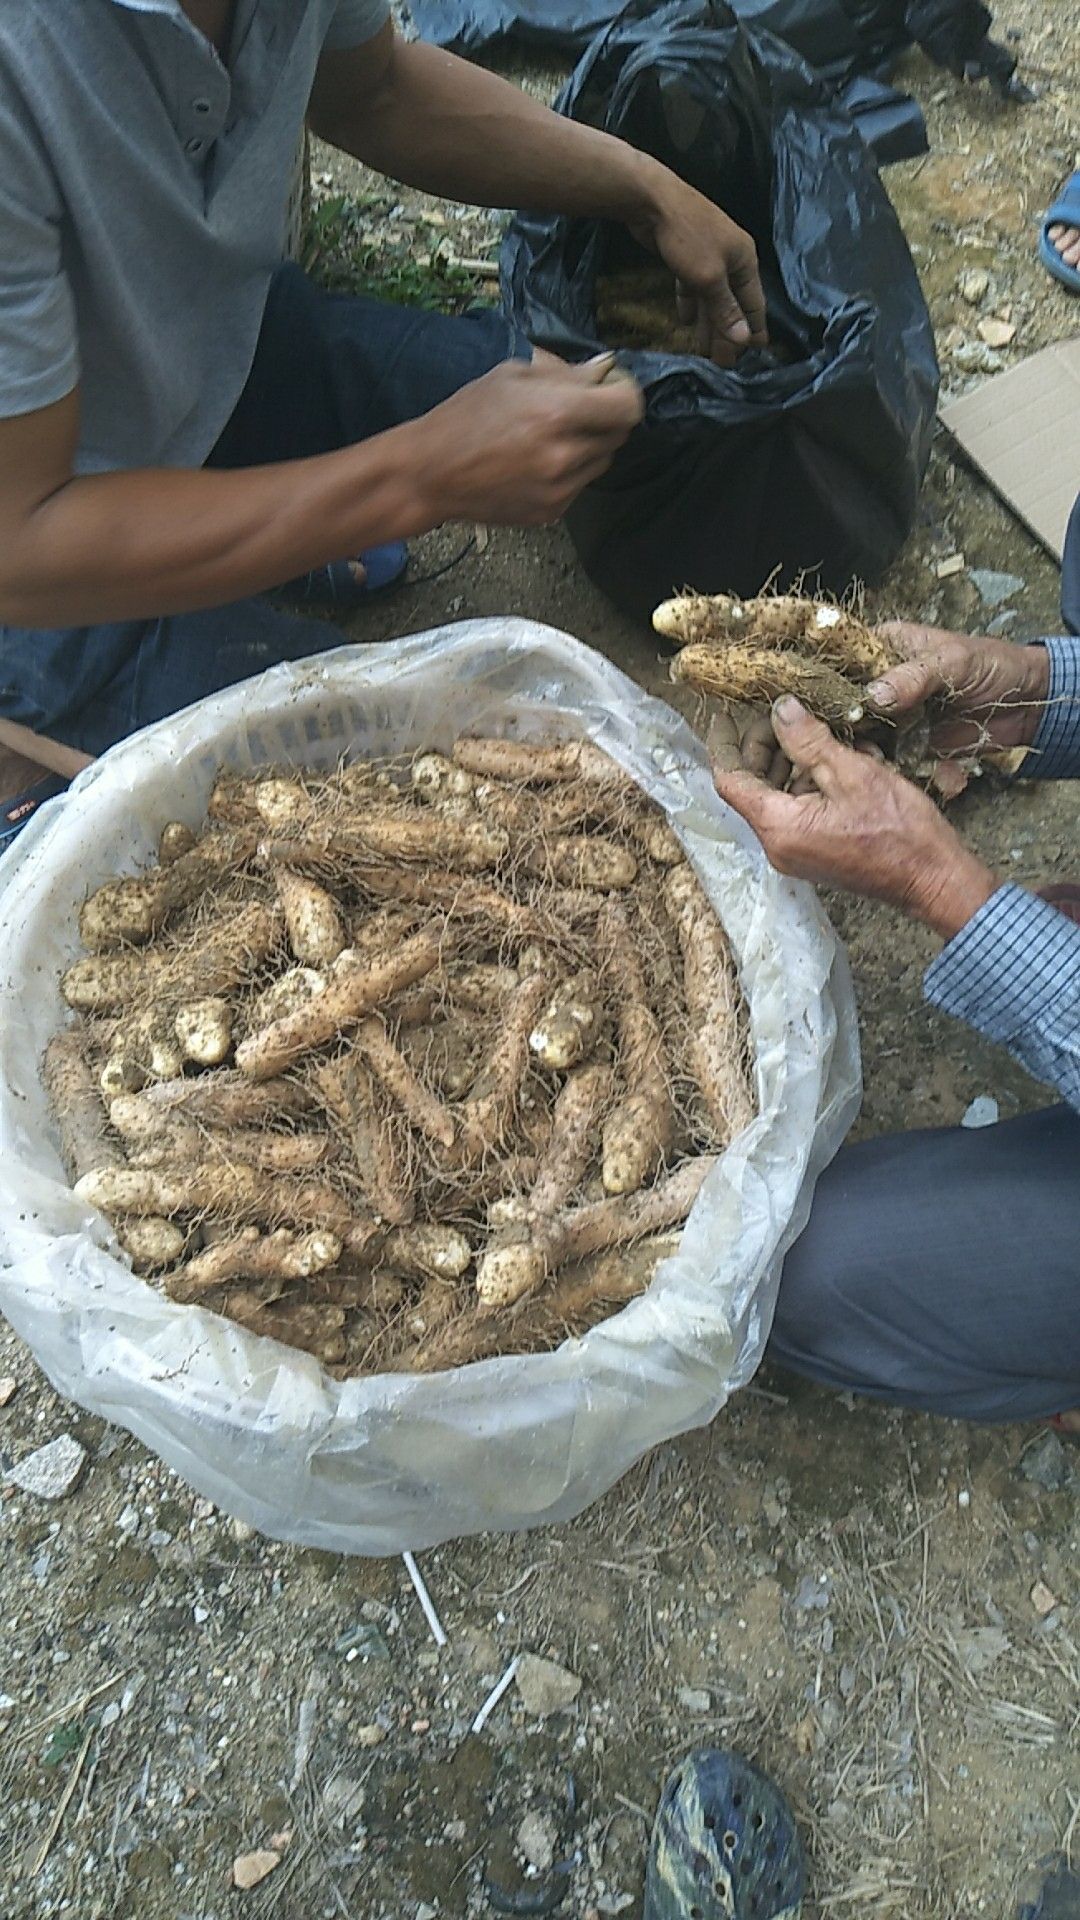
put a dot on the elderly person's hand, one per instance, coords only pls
(990, 695)
(861, 827)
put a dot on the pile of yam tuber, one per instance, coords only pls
(752, 651)
(406, 1064)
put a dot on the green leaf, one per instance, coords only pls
(62, 1742)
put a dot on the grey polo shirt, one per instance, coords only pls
(143, 192)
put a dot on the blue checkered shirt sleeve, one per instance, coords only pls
(1013, 973)
(1055, 750)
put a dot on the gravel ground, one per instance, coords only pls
(881, 1608)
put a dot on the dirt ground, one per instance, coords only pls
(881, 1608)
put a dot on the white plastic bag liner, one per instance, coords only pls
(377, 1465)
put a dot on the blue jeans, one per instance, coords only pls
(329, 370)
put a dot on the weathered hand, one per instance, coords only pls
(864, 828)
(994, 691)
(715, 265)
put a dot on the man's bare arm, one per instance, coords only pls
(438, 123)
(514, 447)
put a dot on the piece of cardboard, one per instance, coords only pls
(1022, 430)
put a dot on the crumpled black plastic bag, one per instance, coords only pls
(768, 468)
(840, 38)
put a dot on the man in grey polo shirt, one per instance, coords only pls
(183, 423)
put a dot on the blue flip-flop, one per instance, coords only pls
(1065, 212)
(335, 585)
(725, 1845)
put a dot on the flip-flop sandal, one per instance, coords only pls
(335, 585)
(1065, 212)
(725, 1845)
(17, 812)
(1056, 1895)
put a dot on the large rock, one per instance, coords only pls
(543, 1686)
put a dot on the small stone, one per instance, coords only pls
(963, 1498)
(370, 1736)
(53, 1470)
(7, 1704)
(200, 1615)
(694, 1699)
(847, 1680)
(1046, 1463)
(946, 569)
(159, 1538)
(974, 285)
(111, 1714)
(240, 1530)
(812, 1594)
(982, 1112)
(993, 588)
(1042, 1599)
(9, 1387)
(537, 1839)
(996, 333)
(128, 1522)
(545, 1687)
(425, 1912)
(343, 1797)
(976, 357)
(251, 1869)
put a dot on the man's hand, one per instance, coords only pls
(994, 691)
(863, 828)
(436, 122)
(719, 289)
(515, 448)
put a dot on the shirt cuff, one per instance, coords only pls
(1016, 960)
(1055, 750)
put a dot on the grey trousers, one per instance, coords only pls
(941, 1270)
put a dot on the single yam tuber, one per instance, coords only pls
(318, 1330)
(759, 675)
(348, 1089)
(573, 1140)
(421, 1108)
(639, 1132)
(224, 955)
(290, 991)
(313, 919)
(433, 1307)
(717, 1044)
(175, 840)
(231, 1190)
(584, 860)
(351, 994)
(508, 1273)
(225, 1099)
(203, 1029)
(76, 1105)
(569, 1026)
(251, 1255)
(131, 910)
(484, 1117)
(515, 760)
(151, 1244)
(427, 1250)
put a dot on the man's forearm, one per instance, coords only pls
(1013, 973)
(450, 128)
(133, 545)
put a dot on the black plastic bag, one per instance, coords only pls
(840, 38)
(807, 458)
